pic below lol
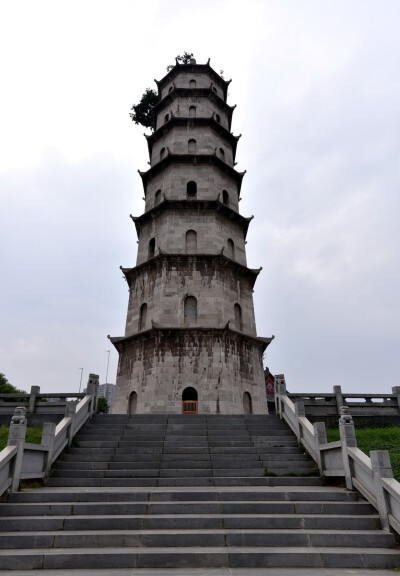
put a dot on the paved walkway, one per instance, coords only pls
(202, 572)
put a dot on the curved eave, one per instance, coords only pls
(191, 159)
(195, 93)
(205, 68)
(122, 342)
(157, 261)
(189, 122)
(167, 204)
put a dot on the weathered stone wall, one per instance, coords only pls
(212, 228)
(210, 180)
(159, 365)
(164, 284)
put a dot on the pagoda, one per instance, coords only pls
(190, 343)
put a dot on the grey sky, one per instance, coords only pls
(317, 88)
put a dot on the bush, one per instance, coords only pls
(102, 405)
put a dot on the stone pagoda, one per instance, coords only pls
(190, 343)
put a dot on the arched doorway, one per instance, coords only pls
(189, 401)
(132, 403)
(247, 405)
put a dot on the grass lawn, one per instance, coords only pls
(385, 438)
(33, 435)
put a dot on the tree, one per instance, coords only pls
(102, 405)
(143, 112)
(184, 59)
(7, 388)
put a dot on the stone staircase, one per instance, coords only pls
(171, 491)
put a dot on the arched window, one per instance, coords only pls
(192, 112)
(166, 118)
(231, 249)
(191, 242)
(152, 247)
(143, 316)
(225, 197)
(247, 403)
(218, 118)
(162, 153)
(238, 318)
(190, 309)
(192, 84)
(132, 403)
(157, 197)
(191, 189)
(192, 146)
(221, 153)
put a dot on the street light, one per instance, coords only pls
(108, 361)
(80, 383)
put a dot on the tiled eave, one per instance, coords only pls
(157, 331)
(180, 259)
(167, 204)
(195, 93)
(194, 68)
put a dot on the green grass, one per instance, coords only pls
(33, 435)
(382, 438)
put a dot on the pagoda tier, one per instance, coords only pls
(161, 362)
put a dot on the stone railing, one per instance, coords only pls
(371, 476)
(21, 460)
(367, 406)
(37, 403)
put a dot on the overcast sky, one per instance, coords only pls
(317, 88)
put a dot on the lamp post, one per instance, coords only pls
(108, 361)
(80, 382)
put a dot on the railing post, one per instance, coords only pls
(70, 408)
(300, 412)
(32, 398)
(93, 390)
(320, 438)
(48, 436)
(381, 468)
(16, 437)
(396, 390)
(337, 390)
(280, 390)
(348, 438)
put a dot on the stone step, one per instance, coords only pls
(204, 556)
(186, 481)
(183, 521)
(187, 507)
(183, 538)
(164, 495)
(203, 491)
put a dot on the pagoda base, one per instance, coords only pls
(221, 366)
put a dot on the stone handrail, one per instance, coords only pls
(365, 405)
(371, 476)
(21, 460)
(37, 403)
